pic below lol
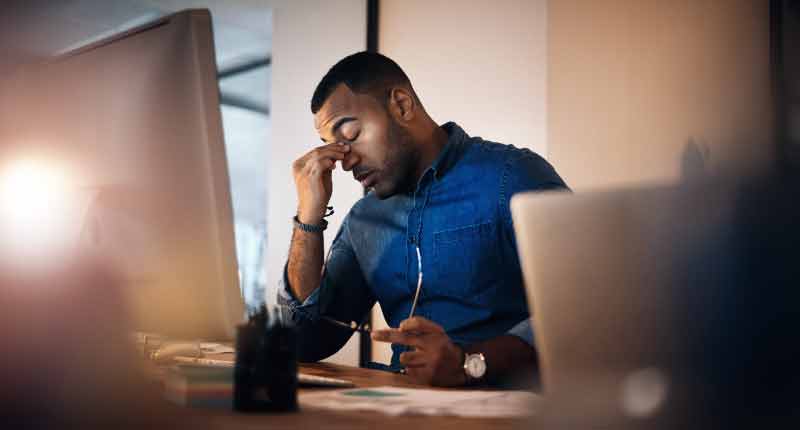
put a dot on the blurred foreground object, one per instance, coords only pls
(667, 307)
(265, 373)
(67, 358)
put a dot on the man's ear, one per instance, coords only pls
(402, 104)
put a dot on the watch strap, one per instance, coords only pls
(310, 228)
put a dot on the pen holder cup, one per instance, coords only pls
(265, 373)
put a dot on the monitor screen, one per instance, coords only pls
(135, 121)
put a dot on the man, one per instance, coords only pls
(437, 213)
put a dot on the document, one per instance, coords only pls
(414, 401)
(216, 348)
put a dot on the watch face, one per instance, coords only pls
(475, 366)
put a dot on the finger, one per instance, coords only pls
(413, 359)
(318, 167)
(393, 335)
(333, 147)
(420, 325)
(328, 151)
(341, 146)
(326, 154)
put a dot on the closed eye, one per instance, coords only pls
(350, 130)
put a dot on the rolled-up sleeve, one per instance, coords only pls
(343, 295)
(299, 309)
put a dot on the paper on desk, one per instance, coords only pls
(216, 348)
(413, 401)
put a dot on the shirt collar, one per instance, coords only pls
(451, 151)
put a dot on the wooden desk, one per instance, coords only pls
(322, 419)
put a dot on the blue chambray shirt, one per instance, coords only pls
(459, 216)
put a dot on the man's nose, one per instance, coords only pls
(350, 160)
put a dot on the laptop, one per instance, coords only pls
(608, 277)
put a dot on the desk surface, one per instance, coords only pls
(321, 419)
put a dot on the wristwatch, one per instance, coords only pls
(474, 367)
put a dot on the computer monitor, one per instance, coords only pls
(136, 120)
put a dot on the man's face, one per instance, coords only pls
(382, 154)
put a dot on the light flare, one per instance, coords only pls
(38, 213)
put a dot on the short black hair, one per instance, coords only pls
(362, 72)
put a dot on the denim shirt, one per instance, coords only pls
(459, 217)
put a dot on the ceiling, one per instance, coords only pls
(31, 30)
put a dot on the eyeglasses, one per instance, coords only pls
(361, 328)
(352, 325)
(419, 283)
(365, 328)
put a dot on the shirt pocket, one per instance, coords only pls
(465, 261)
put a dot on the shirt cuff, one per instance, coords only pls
(308, 309)
(524, 331)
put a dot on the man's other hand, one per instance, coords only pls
(434, 359)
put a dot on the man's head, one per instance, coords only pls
(366, 101)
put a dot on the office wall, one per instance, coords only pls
(631, 82)
(480, 63)
(309, 37)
